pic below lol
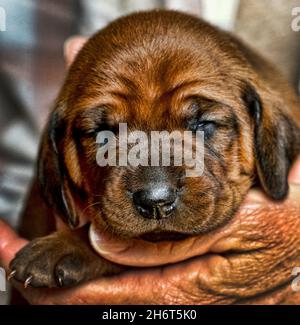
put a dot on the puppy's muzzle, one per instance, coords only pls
(156, 201)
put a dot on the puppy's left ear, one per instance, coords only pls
(276, 143)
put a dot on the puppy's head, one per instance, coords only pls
(164, 71)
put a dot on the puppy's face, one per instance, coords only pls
(157, 202)
(155, 84)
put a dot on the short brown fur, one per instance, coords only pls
(158, 70)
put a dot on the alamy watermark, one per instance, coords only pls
(296, 21)
(2, 20)
(155, 148)
(2, 280)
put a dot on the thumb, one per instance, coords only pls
(136, 252)
(10, 244)
(71, 48)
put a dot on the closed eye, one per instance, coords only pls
(208, 127)
(100, 127)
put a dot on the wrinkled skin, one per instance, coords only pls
(250, 260)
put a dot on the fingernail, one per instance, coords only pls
(294, 176)
(104, 244)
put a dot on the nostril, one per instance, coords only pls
(155, 202)
(167, 208)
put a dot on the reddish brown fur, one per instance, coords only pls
(148, 69)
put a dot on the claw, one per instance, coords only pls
(28, 281)
(60, 281)
(11, 275)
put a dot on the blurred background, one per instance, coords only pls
(32, 35)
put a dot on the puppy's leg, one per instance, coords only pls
(61, 259)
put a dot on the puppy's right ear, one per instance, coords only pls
(51, 171)
(276, 142)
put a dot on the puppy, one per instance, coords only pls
(158, 70)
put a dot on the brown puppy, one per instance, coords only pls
(158, 70)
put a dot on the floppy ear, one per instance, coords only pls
(51, 172)
(276, 143)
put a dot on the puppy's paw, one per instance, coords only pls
(50, 262)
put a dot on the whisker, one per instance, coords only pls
(90, 205)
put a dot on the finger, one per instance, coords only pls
(71, 48)
(10, 244)
(137, 252)
(294, 176)
(137, 287)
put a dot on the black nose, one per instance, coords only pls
(156, 202)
